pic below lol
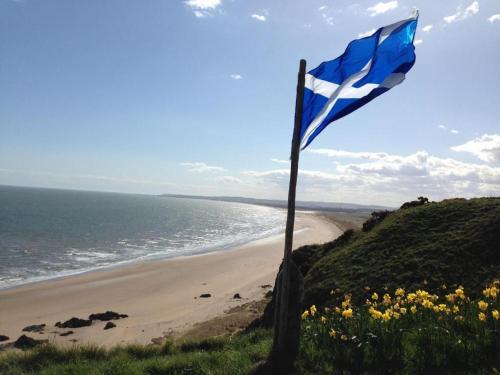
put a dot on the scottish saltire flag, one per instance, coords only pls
(369, 67)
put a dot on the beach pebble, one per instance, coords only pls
(109, 325)
(34, 328)
(67, 333)
(205, 295)
(237, 296)
(4, 338)
(108, 315)
(25, 342)
(266, 286)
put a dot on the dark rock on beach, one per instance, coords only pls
(25, 342)
(108, 315)
(34, 328)
(237, 296)
(266, 286)
(67, 333)
(74, 323)
(109, 325)
(205, 295)
(4, 338)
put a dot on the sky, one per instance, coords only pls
(197, 97)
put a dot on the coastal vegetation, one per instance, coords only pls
(415, 291)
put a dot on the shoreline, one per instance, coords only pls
(161, 296)
(131, 262)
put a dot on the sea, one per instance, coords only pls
(50, 233)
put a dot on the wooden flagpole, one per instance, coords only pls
(283, 317)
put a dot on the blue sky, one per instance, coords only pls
(197, 97)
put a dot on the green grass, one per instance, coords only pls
(239, 354)
(451, 242)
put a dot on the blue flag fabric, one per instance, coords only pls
(369, 67)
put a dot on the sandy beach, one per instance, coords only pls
(161, 298)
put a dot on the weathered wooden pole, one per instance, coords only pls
(286, 317)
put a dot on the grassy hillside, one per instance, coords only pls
(452, 242)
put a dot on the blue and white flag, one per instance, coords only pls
(369, 67)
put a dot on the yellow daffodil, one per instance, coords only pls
(411, 297)
(482, 317)
(344, 338)
(337, 310)
(493, 292)
(427, 304)
(482, 305)
(400, 292)
(494, 314)
(402, 310)
(305, 314)
(332, 333)
(460, 293)
(375, 296)
(313, 309)
(451, 297)
(387, 298)
(413, 309)
(323, 319)
(347, 313)
(456, 309)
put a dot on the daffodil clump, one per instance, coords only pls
(415, 330)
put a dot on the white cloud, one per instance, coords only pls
(203, 8)
(472, 9)
(381, 7)
(326, 16)
(452, 131)
(366, 33)
(200, 167)
(427, 28)
(486, 148)
(203, 4)
(200, 14)
(348, 154)
(389, 177)
(328, 19)
(259, 17)
(462, 14)
(418, 41)
(236, 76)
(493, 18)
(279, 161)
